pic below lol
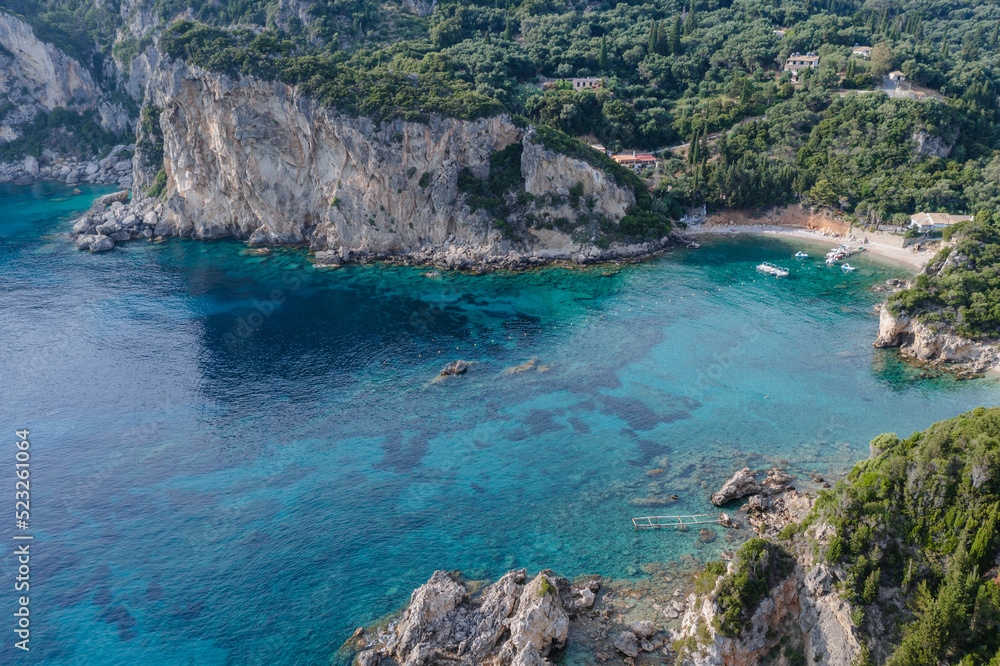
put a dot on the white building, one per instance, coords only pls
(924, 222)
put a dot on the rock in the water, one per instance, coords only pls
(109, 199)
(368, 658)
(643, 628)
(540, 619)
(740, 485)
(454, 368)
(512, 622)
(328, 258)
(777, 480)
(83, 226)
(627, 644)
(95, 243)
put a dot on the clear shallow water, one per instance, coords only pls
(215, 486)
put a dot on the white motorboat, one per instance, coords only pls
(801, 255)
(767, 268)
(847, 268)
(780, 272)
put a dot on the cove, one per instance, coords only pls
(238, 458)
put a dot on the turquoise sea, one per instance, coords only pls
(237, 459)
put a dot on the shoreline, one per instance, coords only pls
(908, 258)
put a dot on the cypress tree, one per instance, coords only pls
(674, 37)
(690, 23)
(651, 42)
(662, 41)
(602, 60)
(995, 36)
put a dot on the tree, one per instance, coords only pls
(674, 37)
(602, 60)
(651, 41)
(881, 61)
(662, 40)
(822, 192)
(690, 23)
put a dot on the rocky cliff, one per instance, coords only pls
(920, 342)
(803, 612)
(39, 77)
(513, 622)
(257, 161)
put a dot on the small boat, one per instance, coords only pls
(767, 267)
(780, 272)
(830, 261)
(801, 255)
(847, 268)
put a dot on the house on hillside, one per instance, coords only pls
(592, 82)
(924, 222)
(579, 83)
(897, 76)
(862, 51)
(797, 61)
(635, 161)
(599, 148)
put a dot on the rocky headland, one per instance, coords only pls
(669, 617)
(923, 344)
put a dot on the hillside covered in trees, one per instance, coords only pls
(674, 72)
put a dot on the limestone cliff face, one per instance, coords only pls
(39, 77)
(513, 622)
(921, 343)
(255, 160)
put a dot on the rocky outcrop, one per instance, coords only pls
(39, 77)
(802, 609)
(111, 220)
(919, 342)
(740, 485)
(513, 622)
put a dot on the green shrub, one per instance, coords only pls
(159, 184)
(759, 564)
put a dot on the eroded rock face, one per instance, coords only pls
(805, 598)
(49, 77)
(919, 342)
(257, 161)
(740, 485)
(513, 622)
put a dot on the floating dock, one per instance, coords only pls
(661, 522)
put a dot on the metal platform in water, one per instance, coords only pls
(661, 522)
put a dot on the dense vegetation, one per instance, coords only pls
(676, 72)
(960, 289)
(758, 565)
(923, 517)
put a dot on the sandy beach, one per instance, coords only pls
(907, 257)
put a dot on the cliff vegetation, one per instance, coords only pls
(911, 538)
(959, 290)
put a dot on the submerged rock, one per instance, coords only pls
(456, 367)
(628, 644)
(740, 485)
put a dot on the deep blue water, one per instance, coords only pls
(237, 459)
